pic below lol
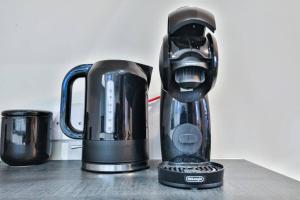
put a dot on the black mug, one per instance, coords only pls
(25, 137)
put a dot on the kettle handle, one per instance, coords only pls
(80, 71)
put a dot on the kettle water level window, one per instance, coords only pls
(109, 104)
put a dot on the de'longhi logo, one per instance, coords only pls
(194, 179)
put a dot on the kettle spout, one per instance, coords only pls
(147, 70)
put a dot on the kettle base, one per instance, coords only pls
(114, 168)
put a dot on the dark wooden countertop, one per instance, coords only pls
(65, 180)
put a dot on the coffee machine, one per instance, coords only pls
(188, 69)
(115, 133)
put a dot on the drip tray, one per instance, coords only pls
(191, 175)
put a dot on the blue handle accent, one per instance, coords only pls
(80, 71)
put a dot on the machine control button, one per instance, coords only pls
(187, 138)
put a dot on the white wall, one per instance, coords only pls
(254, 106)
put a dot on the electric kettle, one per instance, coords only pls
(115, 133)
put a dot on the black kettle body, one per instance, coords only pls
(115, 133)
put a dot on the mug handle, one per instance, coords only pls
(66, 126)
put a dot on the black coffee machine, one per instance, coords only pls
(188, 68)
(115, 135)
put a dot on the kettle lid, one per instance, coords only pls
(14, 113)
